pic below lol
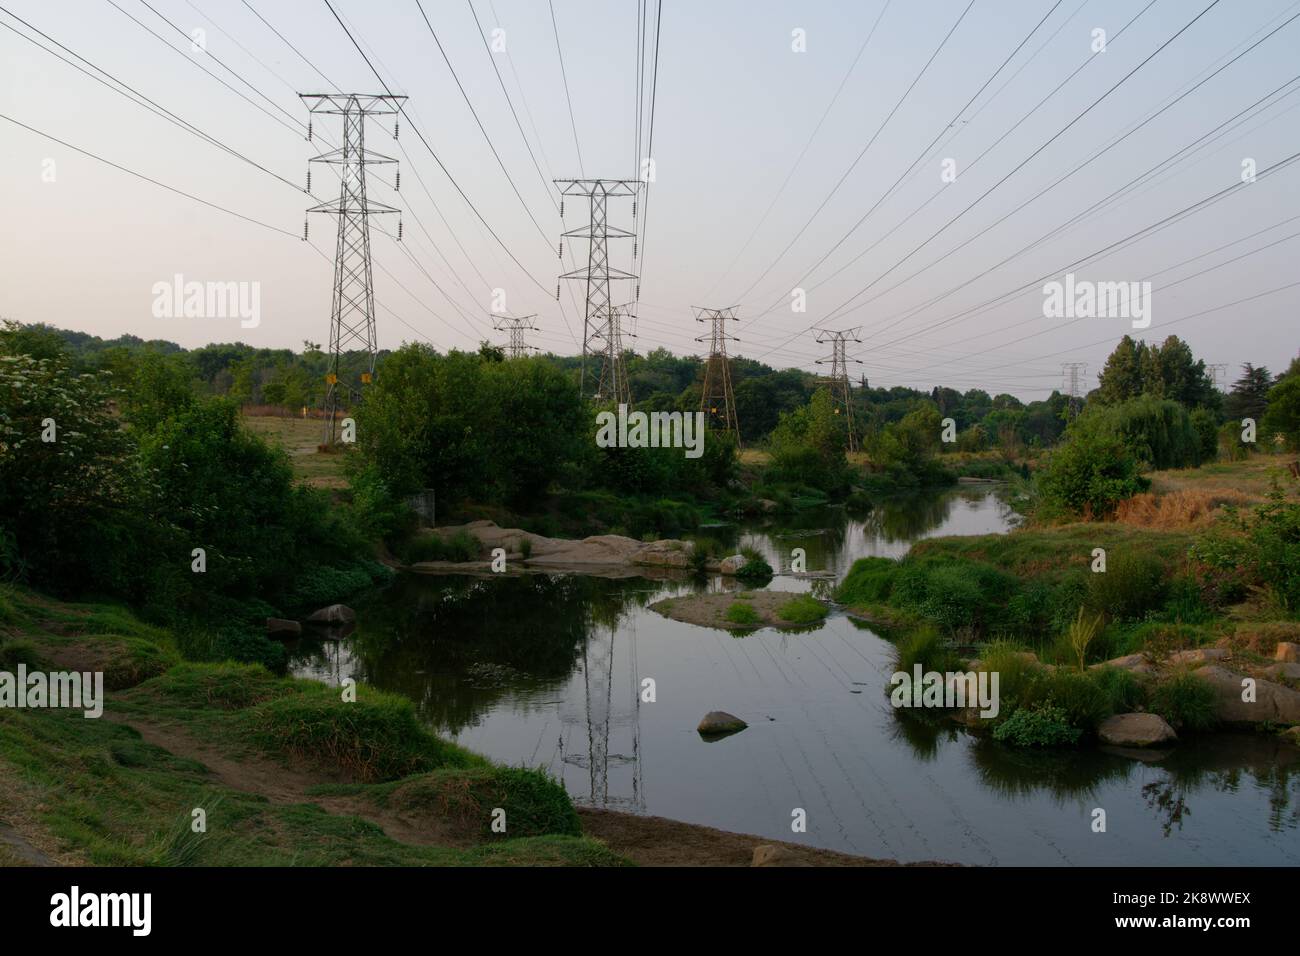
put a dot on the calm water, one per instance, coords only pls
(543, 670)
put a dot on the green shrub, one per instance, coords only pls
(869, 581)
(377, 737)
(533, 802)
(804, 609)
(927, 647)
(1079, 696)
(1133, 583)
(755, 571)
(1186, 702)
(249, 647)
(1260, 547)
(1038, 725)
(1124, 692)
(743, 614)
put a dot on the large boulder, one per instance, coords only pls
(668, 553)
(1137, 663)
(282, 628)
(1273, 702)
(1287, 652)
(1135, 730)
(334, 614)
(732, 564)
(1283, 671)
(1201, 655)
(716, 723)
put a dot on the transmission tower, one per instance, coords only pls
(352, 316)
(1218, 374)
(1072, 375)
(717, 399)
(601, 329)
(841, 392)
(516, 347)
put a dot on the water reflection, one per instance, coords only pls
(547, 670)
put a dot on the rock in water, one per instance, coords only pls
(1135, 730)
(732, 564)
(1273, 703)
(334, 614)
(281, 628)
(717, 723)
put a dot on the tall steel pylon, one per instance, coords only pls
(841, 391)
(1072, 380)
(601, 329)
(516, 347)
(352, 316)
(717, 400)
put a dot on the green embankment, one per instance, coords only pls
(95, 791)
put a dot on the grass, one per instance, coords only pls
(804, 609)
(95, 792)
(1186, 702)
(743, 614)
(301, 438)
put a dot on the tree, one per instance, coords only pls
(1283, 415)
(1122, 376)
(1249, 395)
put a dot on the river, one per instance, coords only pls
(548, 671)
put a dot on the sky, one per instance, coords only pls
(918, 168)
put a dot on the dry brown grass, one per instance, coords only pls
(1178, 509)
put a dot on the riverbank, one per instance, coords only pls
(1182, 607)
(279, 771)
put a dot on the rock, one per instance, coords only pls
(669, 553)
(733, 564)
(1135, 730)
(718, 722)
(768, 505)
(1287, 671)
(281, 628)
(334, 614)
(1201, 655)
(768, 855)
(1292, 735)
(1273, 702)
(1287, 652)
(1137, 663)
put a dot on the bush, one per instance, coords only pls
(755, 571)
(375, 738)
(958, 595)
(1039, 725)
(1262, 547)
(1132, 584)
(927, 647)
(534, 804)
(1186, 702)
(1079, 696)
(1090, 472)
(743, 614)
(805, 609)
(869, 581)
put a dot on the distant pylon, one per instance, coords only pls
(601, 330)
(515, 347)
(717, 400)
(1072, 382)
(841, 391)
(352, 315)
(1218, 374)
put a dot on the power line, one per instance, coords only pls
(565, 77)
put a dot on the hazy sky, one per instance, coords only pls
(83, 244)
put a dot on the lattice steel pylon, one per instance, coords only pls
(516, 347)
(601, 329)
(352, 315)
(841, 391)
(1072, 381)
(717, 400)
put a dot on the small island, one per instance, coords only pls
(744, 610)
